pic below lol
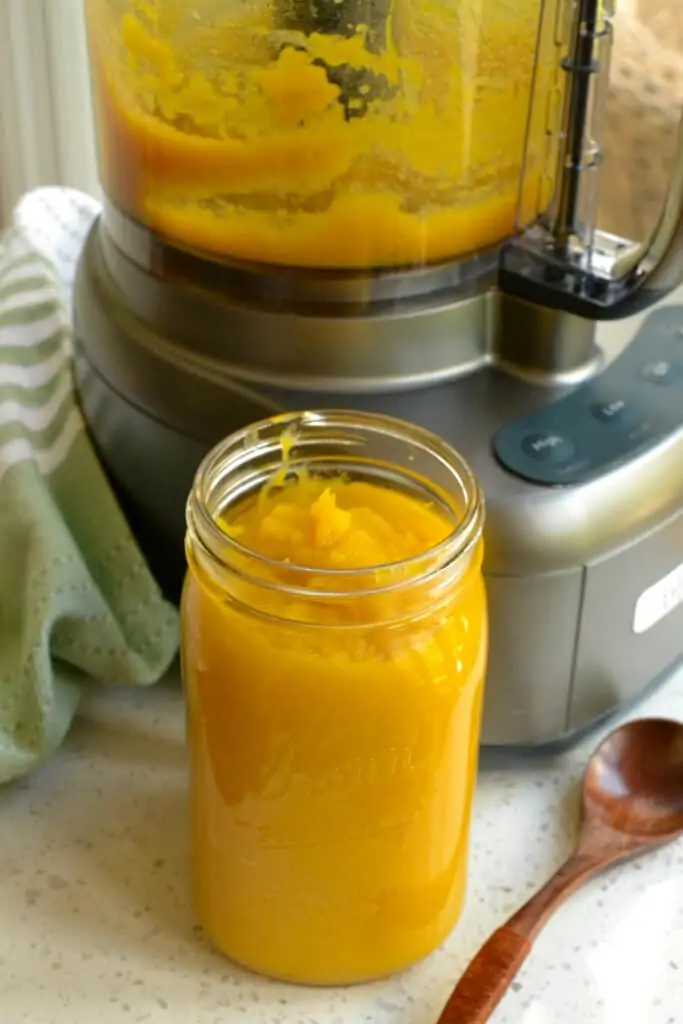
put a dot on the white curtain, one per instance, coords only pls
(46, 130)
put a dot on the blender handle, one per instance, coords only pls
(562, 263)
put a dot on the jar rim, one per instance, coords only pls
(239, 448)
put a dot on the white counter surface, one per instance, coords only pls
(98, 927)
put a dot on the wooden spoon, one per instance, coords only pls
(632, 801)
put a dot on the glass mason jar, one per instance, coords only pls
(339, 134)
(333, 715)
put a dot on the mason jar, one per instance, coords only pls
(333, 708)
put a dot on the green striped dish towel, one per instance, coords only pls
(77, 602)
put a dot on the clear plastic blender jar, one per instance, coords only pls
(315, 133)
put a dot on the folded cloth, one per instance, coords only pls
(77, 601)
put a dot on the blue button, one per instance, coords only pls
(548, 447)
(660, 371)
(615, 410)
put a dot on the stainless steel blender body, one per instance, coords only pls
(581, 458)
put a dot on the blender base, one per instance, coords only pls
(584, 555)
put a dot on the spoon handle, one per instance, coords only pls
(487, 978)
(489, 975)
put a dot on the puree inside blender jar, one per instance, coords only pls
(244, 130)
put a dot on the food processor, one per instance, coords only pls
(391, 205)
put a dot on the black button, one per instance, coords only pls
(548, 447)
(659, 372)
(614, 410)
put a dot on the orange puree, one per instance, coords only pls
(333, 734)
(224, 132)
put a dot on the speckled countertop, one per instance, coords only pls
(98, 927)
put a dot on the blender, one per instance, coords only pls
(391, 205)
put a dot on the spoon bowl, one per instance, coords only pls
(632, 801)
(634, 781)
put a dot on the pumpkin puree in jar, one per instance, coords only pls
(224, 132)
(333, 768)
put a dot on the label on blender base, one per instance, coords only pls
(658, 601)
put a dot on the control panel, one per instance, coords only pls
(632, 405)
